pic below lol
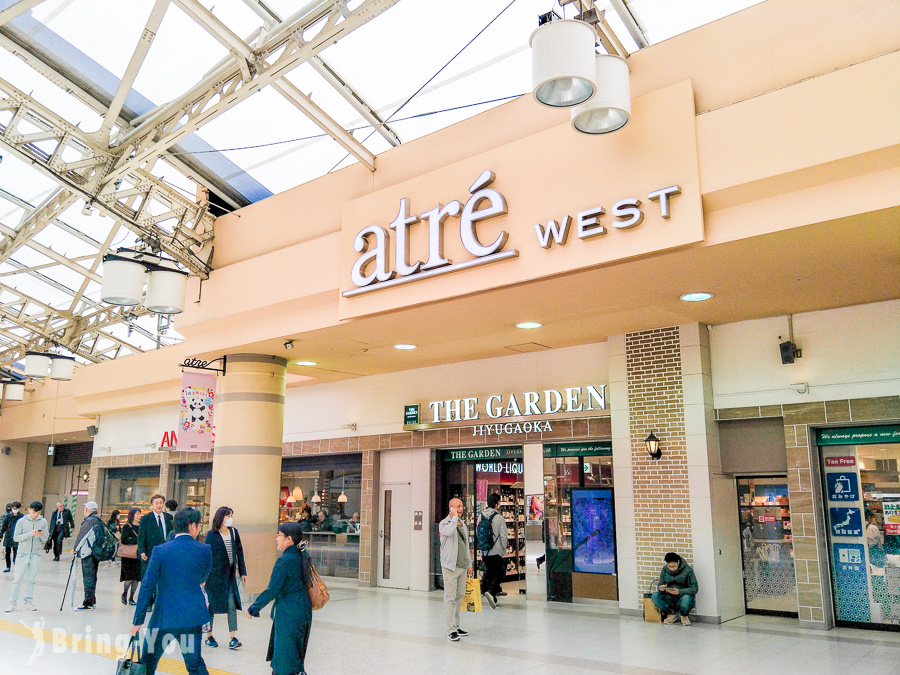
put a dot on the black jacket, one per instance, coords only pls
(61, 523)
(149, 535)
(8, 528)
(222, 579)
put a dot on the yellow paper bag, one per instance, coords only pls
(471, 602)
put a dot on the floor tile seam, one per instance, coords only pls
(813, 635)
(538, 657)
(90, 647)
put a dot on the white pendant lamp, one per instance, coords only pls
(165, 292)
(37, 364)
(297, 495)
(122, 283)
(316, 499)
(562, 63)
(609, 109)
(62, 367)
(14, 391)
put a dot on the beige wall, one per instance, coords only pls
(35, 473)
(12, 471)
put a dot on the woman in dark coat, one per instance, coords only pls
(292, 612)
(227, 564)
(130, 573)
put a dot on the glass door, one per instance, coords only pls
(767, 550)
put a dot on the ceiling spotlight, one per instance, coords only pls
(288, 344)
(529, 324)
(87, 210)
(696, 297)
(404, 347)
(306, 363)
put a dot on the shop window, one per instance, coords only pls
(862, 509)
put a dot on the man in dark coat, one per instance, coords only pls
(677, 589)
(176, 571)
(61, 525)
(154, 529)
(7, 528)
(91, 530)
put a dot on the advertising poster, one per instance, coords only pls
(593, 539)
(198, 395)
(851, 583)
(846, 522)
(842, 487)
(891, 517)
(481, 490)
(535, 507)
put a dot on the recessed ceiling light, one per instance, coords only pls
(402, 346)
(529, 324)
(307, 363)
(696, 297)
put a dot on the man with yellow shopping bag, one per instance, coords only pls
(456, 566)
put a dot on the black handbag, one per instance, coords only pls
(131, 664)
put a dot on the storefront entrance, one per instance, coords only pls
(471, 475)
(767, 550)
(192, 488)
(862, 510)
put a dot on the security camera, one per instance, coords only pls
(289, 344)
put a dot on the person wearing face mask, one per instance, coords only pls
(228, 564)
(7, 529)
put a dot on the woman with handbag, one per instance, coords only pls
(292, 613)
(130, 573)
(227, 564)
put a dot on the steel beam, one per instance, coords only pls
(288, 48)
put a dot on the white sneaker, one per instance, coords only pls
(11, 608)
(29, 606)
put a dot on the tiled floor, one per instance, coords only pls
(382, 631)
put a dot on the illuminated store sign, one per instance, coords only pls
(546, 402)
(373, 269)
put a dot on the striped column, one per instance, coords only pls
(247, 460)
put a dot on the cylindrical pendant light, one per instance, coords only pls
(609, 109)
(562, 63)
(122, 283)
(62, 367)
(37, 364)
(14, 391)
(165, 292)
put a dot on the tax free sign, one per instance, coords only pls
(540, 205)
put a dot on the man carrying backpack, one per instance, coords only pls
(492, 537)
(89, 536)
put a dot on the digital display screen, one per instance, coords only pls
(535, 507)
(593, 529)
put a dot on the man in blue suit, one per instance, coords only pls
(175, 572)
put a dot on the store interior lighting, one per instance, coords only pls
(124, 275)
(297, 495)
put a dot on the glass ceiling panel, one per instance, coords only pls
(81, 22)
(664, 19)
(180, 56)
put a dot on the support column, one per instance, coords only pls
(247, 459)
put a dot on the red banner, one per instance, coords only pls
(198, 397)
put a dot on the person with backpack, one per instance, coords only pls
(8, 527)
(91, 538)
(492, 538)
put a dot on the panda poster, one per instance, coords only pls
(198, 397)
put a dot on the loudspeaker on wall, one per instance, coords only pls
(787, 352)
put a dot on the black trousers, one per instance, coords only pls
(494, 572)
(11, 554)
(89, 567)
(57, 545)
